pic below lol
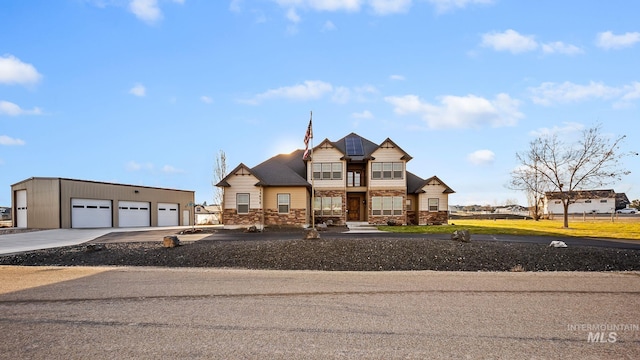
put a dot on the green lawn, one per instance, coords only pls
(628, 228)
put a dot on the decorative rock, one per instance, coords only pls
(170, 241)
(558, 244)
(94, 248)
(311, 234)
(461, 235)
(321, 227)
(329, 222)
(252, 229)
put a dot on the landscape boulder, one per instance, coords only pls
(461, 235)
(170, 241)
(558, 244)
(311, 234)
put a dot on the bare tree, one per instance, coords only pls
(528, 178)
(593, 161)
(219, 173)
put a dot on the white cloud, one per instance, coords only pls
(561, 48)
(608, 40)
(362, 115)
(397, 77)
(235, 5)
(171, 170)
(293, 16)
(386, 7)
(146, 10)
(138, 90)
(9, 141)
(323, 5)
(549, 93)
(566, 128)
(509, 40)
(206, 99)
(328, 26)
(14, 71)
(309, 90)
(315, 90)
(460, 111)
(443, 6)
(135, 166)
(481, 157)
(11, 109)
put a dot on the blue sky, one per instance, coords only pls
(146, 92)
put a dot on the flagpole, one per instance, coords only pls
(313, 191)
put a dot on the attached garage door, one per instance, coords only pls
(168, 214)
(21, 208)
(134, 214)
(90, 213)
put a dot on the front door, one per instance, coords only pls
(353, 206)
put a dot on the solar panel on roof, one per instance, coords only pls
(354, 146)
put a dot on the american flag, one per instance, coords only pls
(307, 136)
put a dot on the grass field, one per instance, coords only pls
(618, 228)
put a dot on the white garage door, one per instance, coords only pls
(134, 214)
(168, 214)
(21, 208)
(90, 213)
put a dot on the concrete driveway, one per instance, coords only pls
(44, 239)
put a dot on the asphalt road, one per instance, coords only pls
(151, 313)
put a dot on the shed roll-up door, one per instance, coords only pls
(168, 214)
(90, 213)
(134, 214)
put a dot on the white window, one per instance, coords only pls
(386, 205)
(327, 171)
(242, 203)
(283, 203)
(409, 205)
(353, 178)
(387, 171)
(328, 206)
(433, 204)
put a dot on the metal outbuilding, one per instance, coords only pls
(50, 203)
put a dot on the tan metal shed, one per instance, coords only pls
(50, 203)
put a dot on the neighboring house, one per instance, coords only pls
(354, 180)
(585, 201)
(207, 214)
(51, 203)
(5, 213)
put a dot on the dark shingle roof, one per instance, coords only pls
(415, 184)
(282, 170)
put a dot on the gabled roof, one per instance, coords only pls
(363, 144)
(581, 194)
(240, 167)
(280, 170)
(416, 184)
(405, 156)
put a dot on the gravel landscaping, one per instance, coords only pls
(336, 253)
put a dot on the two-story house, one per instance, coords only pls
(353, 180)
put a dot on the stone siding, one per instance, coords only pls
(337, 219)
(384, 219)
(231, 217)
(295, 218)
(434, 217)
